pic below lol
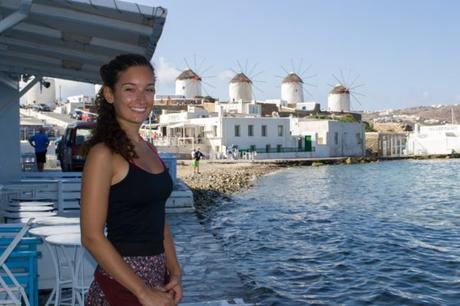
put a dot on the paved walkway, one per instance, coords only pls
(209, 274)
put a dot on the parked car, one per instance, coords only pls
(68, 148)
(76, 114)
(41, 107)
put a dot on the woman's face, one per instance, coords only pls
(133, 95)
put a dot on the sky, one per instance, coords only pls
(403, 53)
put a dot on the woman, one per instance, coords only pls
(124, 187)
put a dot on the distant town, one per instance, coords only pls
(241, 127)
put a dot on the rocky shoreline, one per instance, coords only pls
(219, 179)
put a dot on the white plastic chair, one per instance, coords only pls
(12, 294)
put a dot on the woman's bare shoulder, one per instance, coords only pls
(100, 151)
(99, 156)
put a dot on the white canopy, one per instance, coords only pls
(70, 39)
(67, 39)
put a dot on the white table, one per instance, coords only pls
(27, 214)
(30, 203)
(30, 208)
(43, 232)
(56, 220)
(61, 244)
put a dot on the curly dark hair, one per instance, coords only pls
(108, 130)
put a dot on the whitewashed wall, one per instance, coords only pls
(44, 95)
(350, 136)
(439, 139)
(338, 103)
(189, 88)
(240, 91)
(292, 92)
(244, 141)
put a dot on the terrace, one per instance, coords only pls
(70, 39)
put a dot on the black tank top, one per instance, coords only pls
(136, 213)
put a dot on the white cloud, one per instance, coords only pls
(166, 74)
(226, 75)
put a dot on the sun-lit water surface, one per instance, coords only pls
(368, 234)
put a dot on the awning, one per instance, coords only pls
(70, 39)
(182, 125)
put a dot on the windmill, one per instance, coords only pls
(189, 81)
(339, 96)
(240, 86)
(292, 85)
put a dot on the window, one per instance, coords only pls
(82, 135)
(358, 138)
(264, 130)
(250, 130)
(217, 149)
(267, 148)
(336, 138)
(279, 148)
(214, 130)
(253, 109)
(321, 139)
(280, 130)
(237, 131)
(252, 148)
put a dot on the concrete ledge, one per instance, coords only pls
(181, 199)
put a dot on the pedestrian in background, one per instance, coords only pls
(197, 156)
(40, 142)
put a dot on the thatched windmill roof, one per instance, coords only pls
(188, 74)
(240, 78)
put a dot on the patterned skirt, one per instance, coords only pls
(105, 291)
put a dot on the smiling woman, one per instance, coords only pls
(125, 186)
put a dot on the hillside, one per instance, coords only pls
(436, 114)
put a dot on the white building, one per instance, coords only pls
(240, 88)
(338, 99)
(188, 84)
(329, 138)
(75, 102)
(270, 137)
(386, 144)
(39, 94)
(434, 139)
(240, 107)
(277, 102)
(292, 89)
(307, 106)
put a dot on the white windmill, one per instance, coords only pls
(240, 86)
(338, 99)
(189, 83)
(292, 88)
(292, 85)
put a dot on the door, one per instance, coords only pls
(307, 143)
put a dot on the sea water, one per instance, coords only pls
(383, 233)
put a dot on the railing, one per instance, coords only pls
(176, 141)
(277, 150)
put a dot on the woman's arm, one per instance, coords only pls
(172, 264)
(96, 181)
